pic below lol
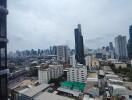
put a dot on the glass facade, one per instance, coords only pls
(2, 29)
(3, 87)
(79, 47)
(3, 58)
(3, 51)
(3, 3)
(130, 43)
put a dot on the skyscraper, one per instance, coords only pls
(130, 43)
(121, 47)
(62, 53)
(3, 50)
(53, 50)
(79, 46)
(111, 46)
(111, 50)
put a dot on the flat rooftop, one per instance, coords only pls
(92, 75)
(51, 96)
(117, 87)
(35, 90)
(115, 80)
(65, 90)
(111, 75)
(73, 85)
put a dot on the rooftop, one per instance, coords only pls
(73, 85)
(75, 93)
(92, 75)
(86, 97)
(119, 63)
(111, 75)
(117, 87)
(35, 90)
(51, 96)
(115, 80)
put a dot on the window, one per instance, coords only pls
(2, 29)
(3, 58)
(2, 2)
(3, 87)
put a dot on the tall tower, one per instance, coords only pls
(121, 47)
(111, 50)
(111, 46)
(62, 53)
(130, 43)
(3, 50)
(79, 46)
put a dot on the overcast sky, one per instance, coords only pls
(41, 23)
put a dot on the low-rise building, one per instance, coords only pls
(112, 60)
(111, 76)
(115, 82)
(51, 96)
(71, 88)
(28, 93)
(49, 72)
(117, 90)
(91, 86)
(120, 65)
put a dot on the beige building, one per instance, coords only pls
(92, 61)
(88, 60)
(95, 62)
(120, 64)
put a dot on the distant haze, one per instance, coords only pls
(41, 23)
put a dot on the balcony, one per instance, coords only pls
(3, 10)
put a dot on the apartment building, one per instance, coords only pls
(50, 72)
(77, 74)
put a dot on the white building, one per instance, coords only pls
(77, 74)
(72, 60)
(62, 53)
(51, 72)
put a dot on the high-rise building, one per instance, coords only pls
(79, 46)
(62, 53)
(3, 50)
(130, 43)
(121, 47)
(111, 46)
(53, 50)
(111, 50)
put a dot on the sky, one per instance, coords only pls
(42, 23)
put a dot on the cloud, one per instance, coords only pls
(41, 23)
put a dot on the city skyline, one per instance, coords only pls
(38, 24)
(65, 50)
